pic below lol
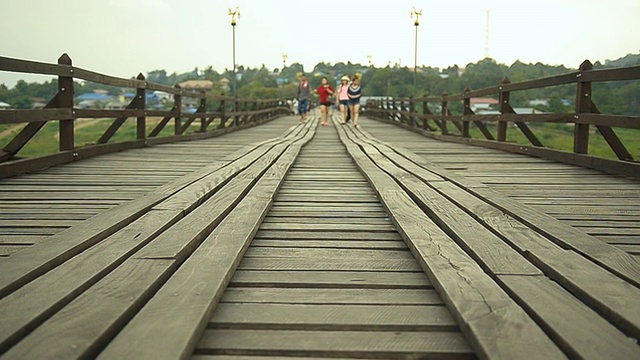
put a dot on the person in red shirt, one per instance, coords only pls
(324, 91)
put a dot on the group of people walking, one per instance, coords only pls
(346, 97)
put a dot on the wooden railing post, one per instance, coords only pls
(141, 121)
(583, 105)
(425, 111)
(503, 98)
(65, 100)
(444, 112)
(389, 109)
(177, 121)
(222, 109)
(203, 108)
(245, 109)
(412, 119)
(236, 107)
(505, 108)
(466, 110)
(254, 107)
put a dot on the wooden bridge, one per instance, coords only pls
(396, 239)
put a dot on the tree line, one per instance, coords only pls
(619, 97)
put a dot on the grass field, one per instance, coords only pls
(560, 137)
(556, 136)
(87, 131)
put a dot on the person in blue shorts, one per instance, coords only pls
(304, 94)
(355, 92)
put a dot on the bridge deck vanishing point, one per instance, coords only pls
(293, 240)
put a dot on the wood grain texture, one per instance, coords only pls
(523, 176)
(189, 297)
(330, 279)
(331, 296)
(33, 303)
(84, 326)
(489, 250)
(380, 345)
(315, 253)
(495, 325)
(400, 265)
(580, 331)
(332, 317)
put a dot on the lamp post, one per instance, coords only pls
(235, 14)
(281, 77)
(415, 14)
(369, 60)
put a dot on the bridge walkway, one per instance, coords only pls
(602, 205)
(322, 242)
(35, 206)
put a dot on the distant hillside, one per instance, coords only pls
(629, 60)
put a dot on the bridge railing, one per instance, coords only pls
(228, 114)
(404, 112)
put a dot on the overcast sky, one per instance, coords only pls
(125, 37)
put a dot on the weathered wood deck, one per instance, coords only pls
(602, 205)
(319, 242)
(36, 206)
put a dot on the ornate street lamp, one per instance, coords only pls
(235, 14)
(415, 14)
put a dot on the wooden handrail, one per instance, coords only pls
(62, 110)
(586, 114)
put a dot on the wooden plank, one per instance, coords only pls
(337, 208)
(318, 235)
(576, 328)
(331, 296)
(495, 325)
(377, 228)
(15, 223)
(34, 115)
(330, 279)
(398, 265)
(614, 298)
(241, 357)
(615, 260)
(185, 236)
(199, 290)
(491, 252)
(32, 263)
(344, 214)
(89, 327)
(274, 343)
(327, 198)
(33, 303)
(329, 244)
(612, 259)
(332, 317)
(314, 253)
(98, 324)
(633, 249)
(8, 250)
(326, 220)
(542, 250)
(606, 165)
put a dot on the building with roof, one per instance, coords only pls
(478, 104)
(196, 85)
